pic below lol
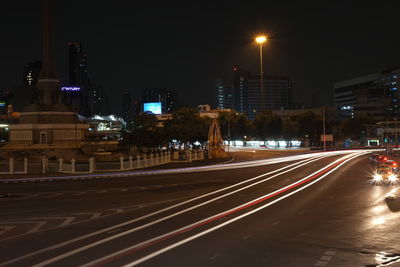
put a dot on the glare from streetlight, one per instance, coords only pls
(261, 39)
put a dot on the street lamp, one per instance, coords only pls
(261, 40)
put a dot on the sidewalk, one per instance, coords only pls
(170, 165)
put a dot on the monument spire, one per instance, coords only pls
(48, 82)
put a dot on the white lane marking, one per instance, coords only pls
(276, 223)
(80, 249)
(5, 229)
(53, 195)
(95, 215)
(65, 243)
(66, 220)
(214, 256)
(246, 237)
(172, 246)
(330, 252)
(324, 259)
(36, 228)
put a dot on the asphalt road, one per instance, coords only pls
(320, 210)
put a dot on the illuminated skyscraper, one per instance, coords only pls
(223, 96)
(78, 77)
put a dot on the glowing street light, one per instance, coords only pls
(261, 40)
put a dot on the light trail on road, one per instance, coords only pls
(75, 251)
(323, 172)
(245, 184)
(279, 172)
(216, 167)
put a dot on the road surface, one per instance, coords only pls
(318, 209)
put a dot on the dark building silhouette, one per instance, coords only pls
(249, 98)
(127, 107)
(375, 96)
(98, 100)
(166, 97)
(78, 77)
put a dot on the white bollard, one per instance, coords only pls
(60, 165)
(91, 165)
(11, 165)
(138, 160)
(162, 158)
(73, 165)
(169, 156)
(121, 161)
(144, 160)
(156, 160)
(151, 159)
(195, 155)
(43, 165)
(25, 165)
(130, 162)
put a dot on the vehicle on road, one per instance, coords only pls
(393, 164)
(385, 174)
(378, 158)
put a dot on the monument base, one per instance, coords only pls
(216, 153)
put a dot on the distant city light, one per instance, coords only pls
(2, 104)
(70, 88)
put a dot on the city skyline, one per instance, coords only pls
(187, 48)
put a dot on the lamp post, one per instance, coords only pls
(261, 40)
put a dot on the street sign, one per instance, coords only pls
(328, 137)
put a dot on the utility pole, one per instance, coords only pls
(323, 126)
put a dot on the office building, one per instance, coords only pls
(127, 107)
(166, 97)
(98, 100)
(372, 96)
(251, 98)
(79, 79)
(223, 95)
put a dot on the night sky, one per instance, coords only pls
(186, 47)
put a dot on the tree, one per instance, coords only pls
(187, 126)
(353, 127)
(268, 125)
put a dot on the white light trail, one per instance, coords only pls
(65, 243)
(172, 246)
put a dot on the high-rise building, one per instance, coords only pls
(127, 107)
(78, 78)
(98, 100)
(166, 97)
(374, 95)
(251, 99)
(31, 74)
(223, 96)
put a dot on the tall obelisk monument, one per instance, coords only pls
(48, 82)
(48, 127)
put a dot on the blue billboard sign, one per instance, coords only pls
(154, 107)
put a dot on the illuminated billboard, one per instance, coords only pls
(154, 108)
(70, 88)
(2, 103)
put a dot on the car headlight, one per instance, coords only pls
(392, 178)
(378, 177)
